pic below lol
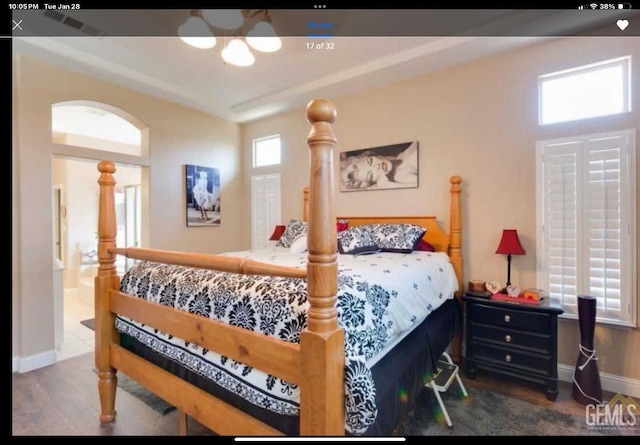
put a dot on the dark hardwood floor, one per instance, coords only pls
(62, 400)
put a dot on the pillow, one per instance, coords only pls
(400, 238)
(294, 229)
(356, 241)
(424, 246)
(299, 245)
(342, 224)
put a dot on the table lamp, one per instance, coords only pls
(510, 245)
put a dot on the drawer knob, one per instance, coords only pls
(507, 358)
(507, 318)
(507, 338)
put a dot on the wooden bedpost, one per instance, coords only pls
(322, 342)
(455, 252)
(305, 204)
(106, 279)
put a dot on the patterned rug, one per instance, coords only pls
(485, 413)
(142, 393)
(482, 413)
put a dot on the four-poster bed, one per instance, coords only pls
(143, 331)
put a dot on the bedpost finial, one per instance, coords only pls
(321, 110)
(106, 167)
(455, 179)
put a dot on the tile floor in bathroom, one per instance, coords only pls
(77, 339)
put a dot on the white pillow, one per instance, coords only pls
(299, 245)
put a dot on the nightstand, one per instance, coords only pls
(515, 339)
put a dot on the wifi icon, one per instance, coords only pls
(593, 5)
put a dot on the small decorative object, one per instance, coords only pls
(513, 291)
(378, 168)
(203, 195)
(477, 286)
(493, 286)
(531, 294)
(586, 379)
(509, 245)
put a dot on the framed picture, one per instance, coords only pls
(203, 195)
(379, 168)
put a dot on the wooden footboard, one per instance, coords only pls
(316, 365)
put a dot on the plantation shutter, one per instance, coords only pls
(586, 243)
(265, 208)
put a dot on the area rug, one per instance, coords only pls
(90, 323)
(143, 394)
(132, 387)
(485, 413)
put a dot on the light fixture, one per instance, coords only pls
(510, 245)
(198, 31)
(237, 53)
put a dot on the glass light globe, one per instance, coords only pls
(237, 53)
(263, 38)
(195, 32)
(228, 19)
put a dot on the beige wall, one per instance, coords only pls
(177, 136)
(480, 121)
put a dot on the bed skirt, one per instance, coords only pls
(399, 376)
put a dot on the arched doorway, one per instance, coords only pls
(95, 127)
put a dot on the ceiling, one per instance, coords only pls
(130, 48)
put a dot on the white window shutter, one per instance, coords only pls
(586, 223)
(265, 208)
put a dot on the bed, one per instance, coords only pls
(319, 359)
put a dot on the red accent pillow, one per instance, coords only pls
(424, 246)
(342, 225)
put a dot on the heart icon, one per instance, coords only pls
(622, 24)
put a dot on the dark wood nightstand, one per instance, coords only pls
(515, 339)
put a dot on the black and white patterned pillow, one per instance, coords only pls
(294, 229)
(400, 238)
(356, 241)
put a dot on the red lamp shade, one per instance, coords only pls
(277, 233)
(510, 243)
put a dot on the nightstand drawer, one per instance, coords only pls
(538, 364)
(516, 318)
(540, 343)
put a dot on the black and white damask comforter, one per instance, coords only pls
(380, 297)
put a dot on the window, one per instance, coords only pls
(266, 151)
(594, 90)
(586, 223)
(265, 208)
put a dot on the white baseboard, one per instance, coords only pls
(608, 382)
(36, 361)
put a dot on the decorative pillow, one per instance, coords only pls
(294, 229)
(299, 245)
(400, 238)
(342, 224)
(356, 241)
(424, 246)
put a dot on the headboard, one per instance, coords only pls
(450, 243)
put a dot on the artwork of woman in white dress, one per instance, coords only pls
(203, 195)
